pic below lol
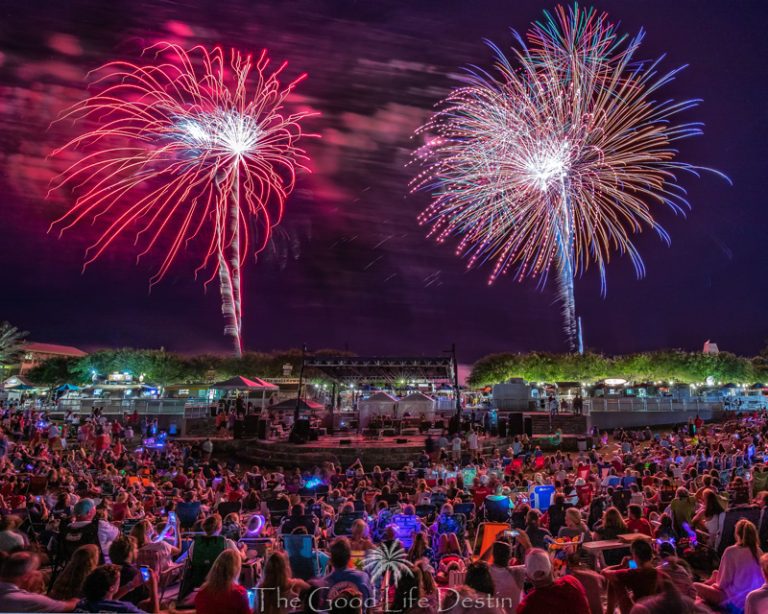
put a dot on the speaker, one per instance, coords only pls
(502, 427)
(313, 435)
(401, 441)
(515, 424)
(345, 442)
(249, 427)
(300, 431)
(528, 426)
(262, 428)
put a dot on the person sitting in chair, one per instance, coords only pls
(203, 552)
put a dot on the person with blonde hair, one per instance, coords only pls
(575, 526)
(69, 583)
(359, 540)
(221, 592)
(277, 586)
(739, 571)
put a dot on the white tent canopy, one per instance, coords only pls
(379, 404)
(417, 405)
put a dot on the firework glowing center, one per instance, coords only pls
(225, 132)
(206, 151)
(548, 165)
(555, 161)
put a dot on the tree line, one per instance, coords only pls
(663, 365)
(164, 368)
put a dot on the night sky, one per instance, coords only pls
(349, 267)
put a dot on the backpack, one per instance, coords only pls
(207, 549)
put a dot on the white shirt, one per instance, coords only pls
(107, 534)
(14, 599)
(164, 549)
(472, 440)
(508, 582)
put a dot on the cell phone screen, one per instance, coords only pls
(144, 573)
(632, 565)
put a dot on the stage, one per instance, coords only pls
(393, 452)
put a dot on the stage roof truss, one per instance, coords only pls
(396, 370)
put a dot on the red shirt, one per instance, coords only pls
(566, 595)
(640, 525)
(479, 494)
(234, 601)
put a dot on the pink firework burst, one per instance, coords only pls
(188, 145)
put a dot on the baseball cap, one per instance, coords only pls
(537, 564)
(84, 507)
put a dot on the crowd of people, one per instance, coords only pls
(94, 520)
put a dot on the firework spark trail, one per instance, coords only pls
(188, 145)
(557, 159)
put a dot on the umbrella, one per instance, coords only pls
(67, 388)
(243, 383)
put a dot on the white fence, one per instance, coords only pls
(150, 407)
(651, 404)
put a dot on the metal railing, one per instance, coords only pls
(652, 404)
(151, 407)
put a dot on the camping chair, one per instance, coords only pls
(187, 512)
(278, 510)
(449, 523)
(438, 499)
(425, 511)
(165, 577)
(497, 508)
(291, 523)
(487, 533)
(343, 524)
(541, 496)
(406, 526)
(206, 549)
(302, 556)
(467, 508)
(584, 494)
(515, 466)
(69, 540)
(383, 520)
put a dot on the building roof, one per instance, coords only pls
(417, 396)
(304, 404)
(380, 397)
(243, 383)
(53, 348)
(382, 369)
